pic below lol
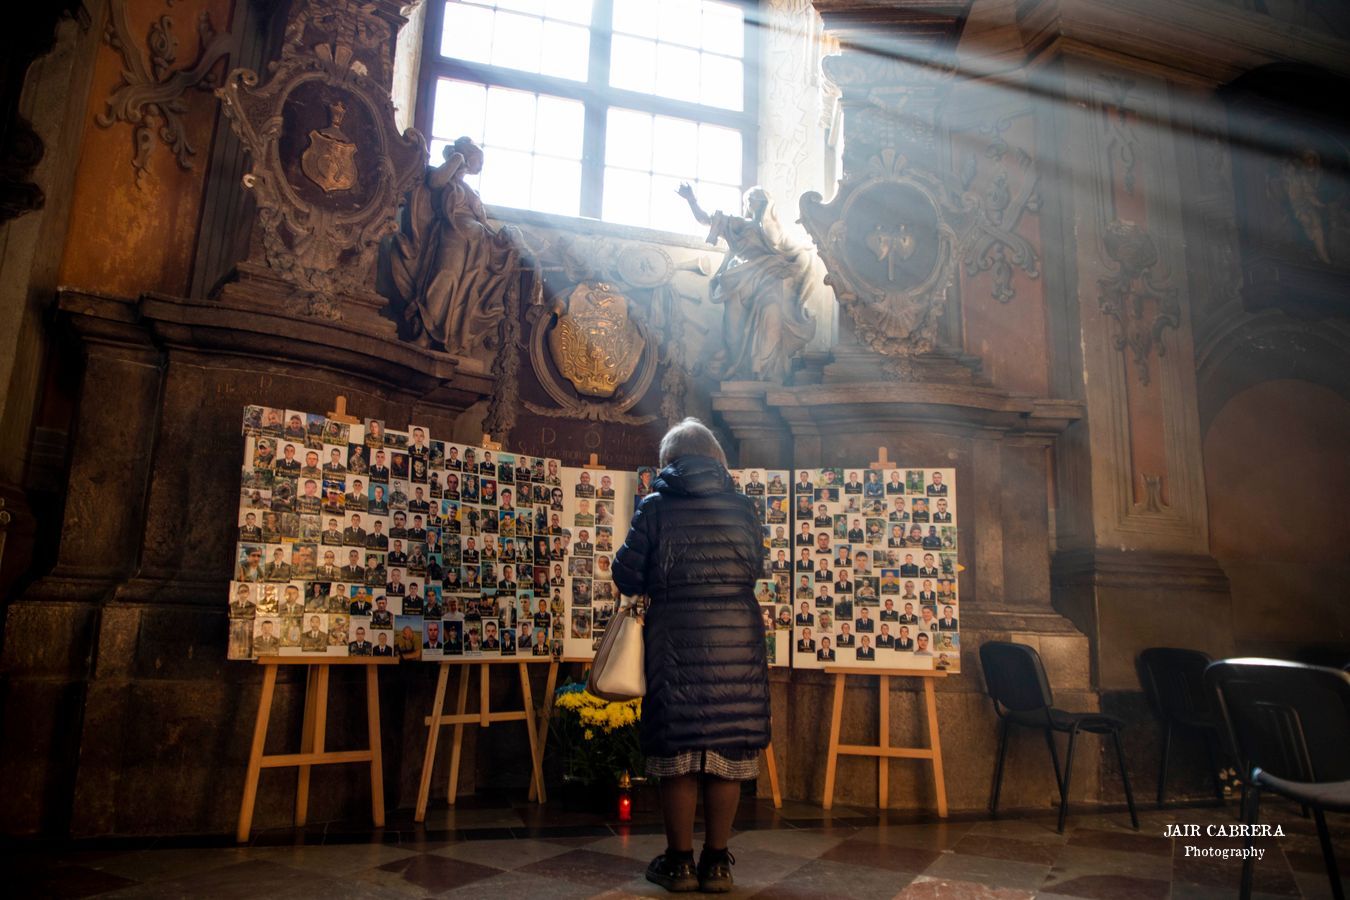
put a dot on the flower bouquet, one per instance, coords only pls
(597, 739)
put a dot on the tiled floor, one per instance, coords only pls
(504, 850)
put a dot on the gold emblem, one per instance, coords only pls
(330, 159)
(595, 345)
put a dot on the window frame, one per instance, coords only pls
(596, 95)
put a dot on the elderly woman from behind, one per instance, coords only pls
(694, 548)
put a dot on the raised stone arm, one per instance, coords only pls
(686, 191)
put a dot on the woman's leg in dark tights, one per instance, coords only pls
(720, 799)
(679, 797)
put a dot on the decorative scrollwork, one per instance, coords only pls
(1125, 296)
(150, 95)
(994, 244)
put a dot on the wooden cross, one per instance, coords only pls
(882, 461)
(340, 414)
(489, 443)
(594, 463)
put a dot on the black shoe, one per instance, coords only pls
(675, 874)
(714, 871)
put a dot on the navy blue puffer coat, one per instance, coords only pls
(695, 548)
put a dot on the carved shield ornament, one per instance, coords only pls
(330, 161)
(595, 345)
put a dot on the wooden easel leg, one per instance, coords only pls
(307, 743)
(376, 753)
(883, 761)
(772, 765)
(545, 712)
(484, 698)
(255, 754)
(836, 720)
(531, 732)
(935, 743)
(458, 742)
(433, 735)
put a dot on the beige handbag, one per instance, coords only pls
(617, 673)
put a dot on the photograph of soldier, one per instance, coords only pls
(242, 604)
(266, 637)
(359, 645)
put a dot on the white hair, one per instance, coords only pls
(690, 438)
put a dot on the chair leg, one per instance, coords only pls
(998, 766)
(1054, 758)
(1213, 764)
(1251, 806)
(1068, 774)
(1125, 777)
(1162, 767)
(1329, 855)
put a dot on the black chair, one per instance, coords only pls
(1290, 725)
(1174, 681)
(1017, 684)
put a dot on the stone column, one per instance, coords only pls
(1132, 568)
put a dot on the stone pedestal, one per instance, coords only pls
(121, 713)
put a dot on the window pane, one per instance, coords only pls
(460, 108)
(506, 177)
(723, 197)
(534, 7)
(675, 147)
(680, 22)
(510, 119)
(722, 84)
(677, 72)
(723, 29)
(669, 211)
(719, 154)
(626, 196)
(632, 64)
(578, 11)
(436, 154)
(560, 127)
(628, 139)
(517, 42)
(467, 33)
(566, 51)
(635, 17)
(557, 186)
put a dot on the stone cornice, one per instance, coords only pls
(1202, 43)
(830, 407)
(1138, 569)
(213, 327)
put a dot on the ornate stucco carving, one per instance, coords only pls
(995, 246)
(1135, 296)
(328, 165)
(890, 241)
(648, 278)
(150, 94)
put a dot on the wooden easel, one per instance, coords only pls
(772, 765)
(484, 717)
(883, 750)
(313, 736)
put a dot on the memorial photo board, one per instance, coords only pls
(770, 491)
(874, 576)
(597, 506)
(360, 539)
